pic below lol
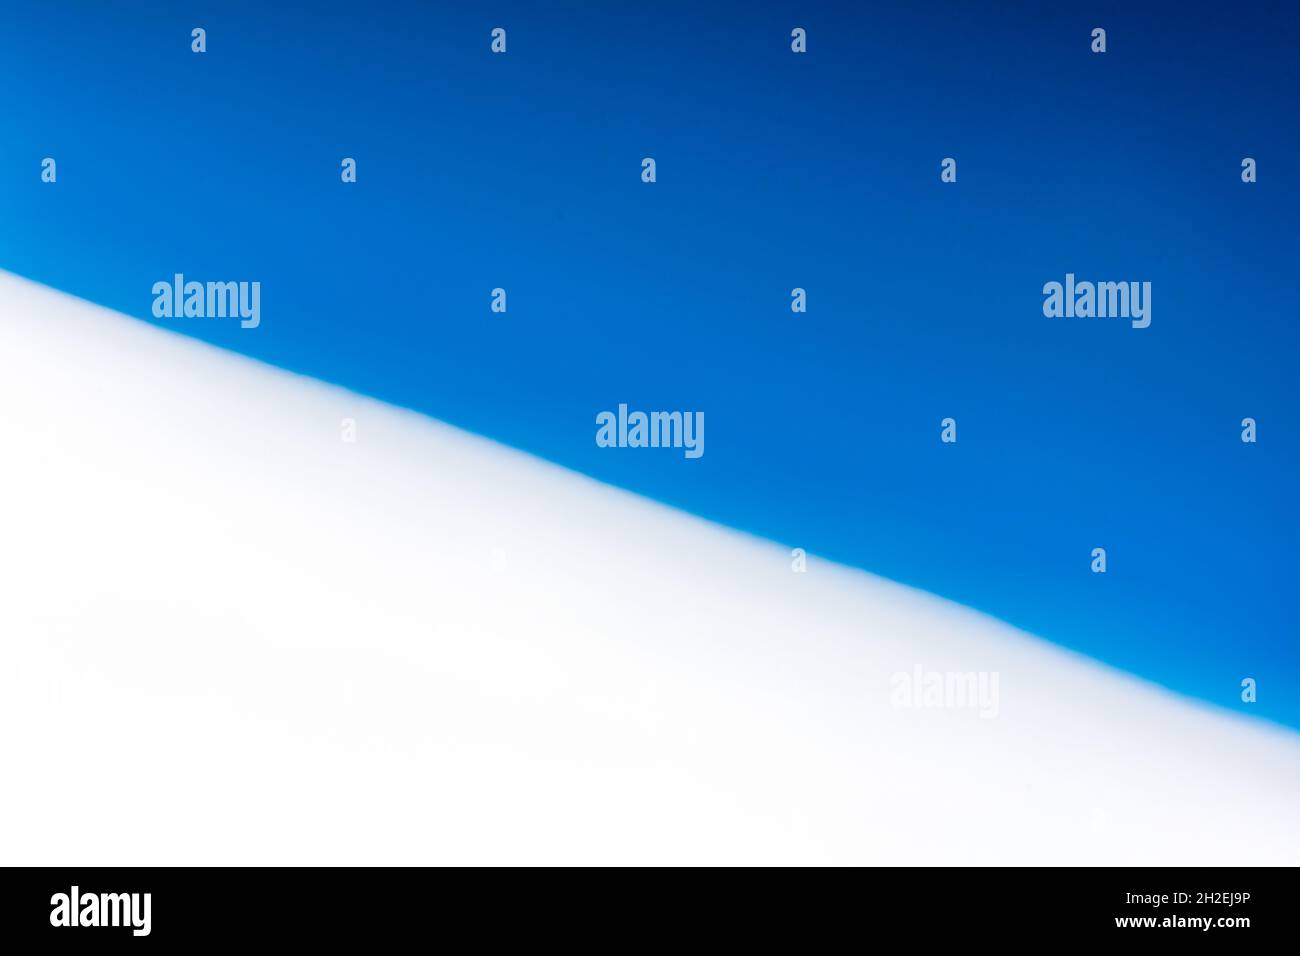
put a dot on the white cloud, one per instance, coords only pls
(229, 636)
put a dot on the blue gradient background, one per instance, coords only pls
(775, 171)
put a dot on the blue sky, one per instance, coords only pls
(774, 171)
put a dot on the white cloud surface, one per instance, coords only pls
(229, 637)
